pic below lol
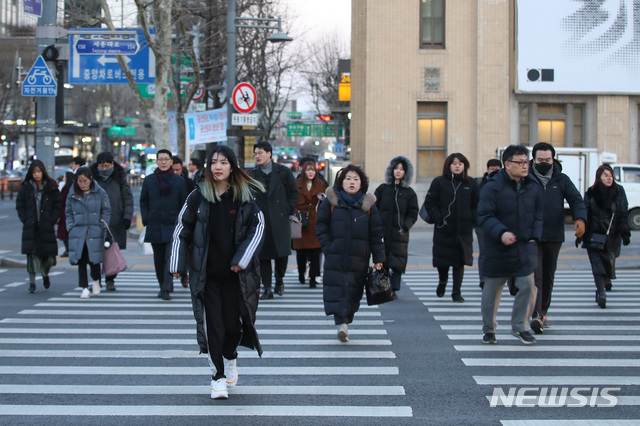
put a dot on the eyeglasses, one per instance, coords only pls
(520, 163)
(163, 160)
(259, 153)
(83, 181)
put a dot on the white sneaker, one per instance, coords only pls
(95, 287)
(343, 333)
(85, 293)
(219, 389)
(231, 371)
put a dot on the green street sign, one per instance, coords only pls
(294, 115)
(308, 129)
(121, 131)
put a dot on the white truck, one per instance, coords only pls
(580, 165)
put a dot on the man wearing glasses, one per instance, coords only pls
(161, 198)
(277, 204)
(510, 212)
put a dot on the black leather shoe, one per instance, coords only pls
(65, 254)
(165, 296)
(46, 282)
(312, 282)
(457, 298)
(32, 288)
(301, 278)
(607, 286)
(601, 298)
(280, 290)
(268, 294)
(441, 288)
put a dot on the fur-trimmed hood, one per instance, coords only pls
(408, 173)
(367, 201)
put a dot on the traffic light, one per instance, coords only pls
(324, 117)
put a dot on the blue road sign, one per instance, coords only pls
(33, 7)
(105, 46)
(104, 69)
(39, 81)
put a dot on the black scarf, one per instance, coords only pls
(165, 181)
(605, 196)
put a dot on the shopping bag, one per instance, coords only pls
(378, 287)
(296, 226)
(147, 250)
(113, 260)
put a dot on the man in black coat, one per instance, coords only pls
(510, 212)
(161, 198)
(179, 169)
(112, 177)
(277, 204)
(547, 172)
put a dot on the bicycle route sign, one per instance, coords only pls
(39, 81)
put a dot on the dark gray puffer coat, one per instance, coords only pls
(191, 243)
(348, 236)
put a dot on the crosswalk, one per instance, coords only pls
(586, 350)
(128, 353)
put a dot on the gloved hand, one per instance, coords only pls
(127, 223)
(578, 242)
(626, 240)
(579, 228)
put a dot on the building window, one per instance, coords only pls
(432, 24)
(432, 137)
(557, 124)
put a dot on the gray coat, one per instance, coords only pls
(83, 223)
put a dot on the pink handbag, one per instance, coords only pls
(113, 260)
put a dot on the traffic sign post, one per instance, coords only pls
(39, 81)
(244, 98)
(32, 7)
(103, 46)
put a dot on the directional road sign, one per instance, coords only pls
(106, 46)
(104, 69)
(33, 7)
(39, 81)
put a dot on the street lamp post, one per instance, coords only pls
(277, 37)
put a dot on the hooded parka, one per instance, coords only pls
(120, 198)
(452, 203)
(191, 243)
(38, 233)
(398, 208)
(349, 235)
(84, 216)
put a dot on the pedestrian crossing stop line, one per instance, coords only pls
(206, 410)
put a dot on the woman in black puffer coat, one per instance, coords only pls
(607, 212)
(39, 205)
(349, 230)
(452, 203)
(398, 207)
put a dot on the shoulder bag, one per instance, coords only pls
(114, 262)
(596, 241)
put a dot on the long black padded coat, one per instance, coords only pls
(452, 203)
(349, 235)
(191, 244)
(398, 208)
(39, 236)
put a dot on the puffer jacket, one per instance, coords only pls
(503, 207)
(38, 233)
(84, 216)
(398, 208)
(191, 243)
(159, 211)
(348, 236)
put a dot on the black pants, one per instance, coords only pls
(82, 269)
(544, 275)
(161, 253)
(313, 257)
(280, 269)
(222, 298)
(458, 274)
(396, 279)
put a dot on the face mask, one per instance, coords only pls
(543, 168)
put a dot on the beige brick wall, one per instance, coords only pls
(612, 125)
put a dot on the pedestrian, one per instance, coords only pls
(112, 177)
(61, 233)
(38, 204)
(557, 187)
(311, 189)
(349, 230)
(88, 209)
(510, 212)
(76, 163)
(608, 218)
(452, 202)
(195, 170)
(397, 204)
(179, 170)
(161, 198)
(217, 238)
(493, 164)
(277, 204)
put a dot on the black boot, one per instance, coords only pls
(601, 299)
(279, 287)
(312, 282)
(441, 289)
(267, 294)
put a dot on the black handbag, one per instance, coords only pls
(378, 287)
(304, 218)
(595, 241)
(424, 214)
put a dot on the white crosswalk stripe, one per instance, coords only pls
(580, 350)
(129, 342)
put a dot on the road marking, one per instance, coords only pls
(542, 348)
(189, 322)
(189, 342)
(186, 331)
(550, 337)
(16, 284)
(164, 313)
(558, 380)
(171, 354)
(572, 328)
(196, 371)
(550, 362)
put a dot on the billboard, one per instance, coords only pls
(571, 46)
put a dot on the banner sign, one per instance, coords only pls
(207, 126)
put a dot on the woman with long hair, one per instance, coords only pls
(39, 204)
(350, 232)
(217, 238)
(88, 211)
(397, 203)
(307, 247)
(452, 202)
(607, 215)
